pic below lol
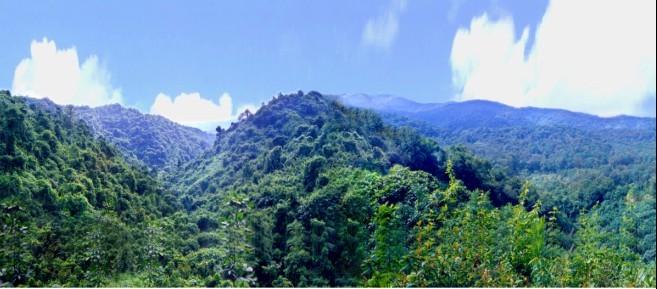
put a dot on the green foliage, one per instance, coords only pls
(153, 140)
(311, 172)
(385, 263)
(69, 217)
(303, 193)
(573, 161)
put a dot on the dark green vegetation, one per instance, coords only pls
(154, 140)
(72, 210)
(574, 161)
(306, 192)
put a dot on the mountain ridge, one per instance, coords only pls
(491, 114)
(73, 210)
(559, 151)
(152, 139)
(308, 192)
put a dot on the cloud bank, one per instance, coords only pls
(591, 56)
(192, 109)
(58, 75)
(382, 30)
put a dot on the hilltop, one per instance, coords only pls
(154, 140)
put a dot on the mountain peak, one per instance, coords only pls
(154, 140)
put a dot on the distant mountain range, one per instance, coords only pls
(530, 140)
(483, 113)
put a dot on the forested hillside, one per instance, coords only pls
(573, 160)
(154, 140)
(74, 213)
(305, 192)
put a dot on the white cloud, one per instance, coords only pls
(193, 110)
(382, 30)
(57, 74)
(591, 56)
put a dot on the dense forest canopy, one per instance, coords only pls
(305, 192)
(570, 168)
(574, 161)
(73, 210)
(150, 139)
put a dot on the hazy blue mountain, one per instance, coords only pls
(386, 103)
(489, 114)
(154, 140)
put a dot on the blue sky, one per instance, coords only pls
(244, 52)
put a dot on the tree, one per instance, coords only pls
(297, 259)
(237, 268)
(266, 269)
(18, 240)
(273, 160)
(385, 261)
(311, 172)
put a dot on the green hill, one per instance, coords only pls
(305, 192)
(73, 211)
(154, 140)
(574, 161)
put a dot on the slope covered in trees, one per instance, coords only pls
(573, 160)
(154, 140)
(73, 212)
(305, 192)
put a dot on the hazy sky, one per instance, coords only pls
(200, 62)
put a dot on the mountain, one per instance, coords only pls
(154, 140)
(574, 161)
(332, 196)
(312, 175)
(385, 103)
(306, 192)
(73, 212)
(489, 114)
(294, 128)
